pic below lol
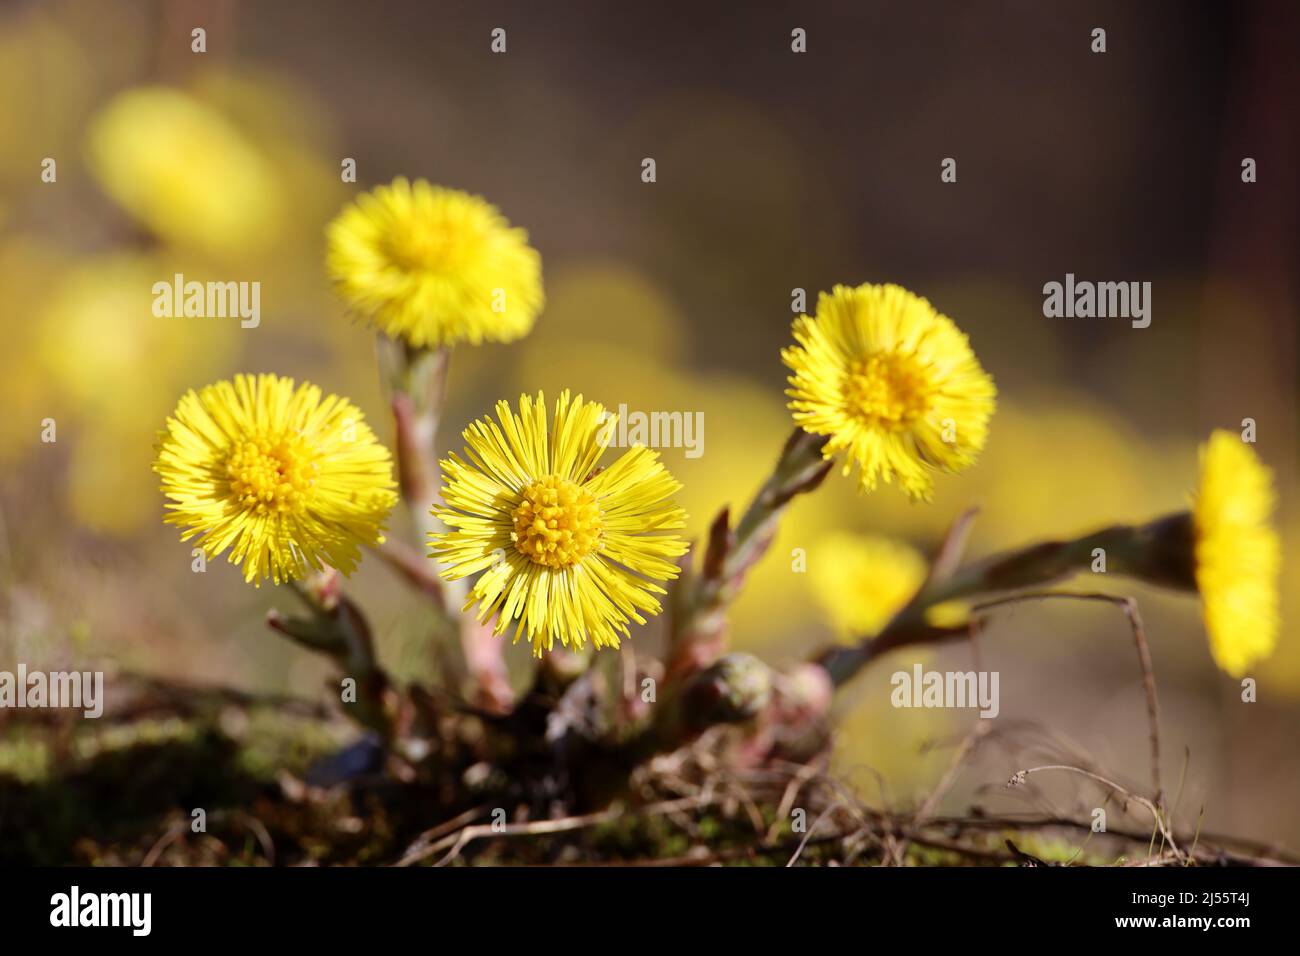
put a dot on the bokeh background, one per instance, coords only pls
(775, 171)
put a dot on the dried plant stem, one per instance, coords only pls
(843, 664)
(1129, 607)
(456, 841)
(178, 830)
(798, 852)
(927, 808)
(1156, 814)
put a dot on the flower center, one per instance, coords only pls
(420, 245)
(272, 474)
(558, 523)
(886, 388)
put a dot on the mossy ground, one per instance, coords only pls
(125, 795)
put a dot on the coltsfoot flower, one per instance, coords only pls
(1237, 552)
(434, 266)
(185, 171)
(569, 551)
(287, 481)
(862, 581)
(893, 383)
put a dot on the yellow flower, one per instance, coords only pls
(434, 266)
(570, 550)
(892, 382)
(1238, 552)
(862, 581)
(185, 171)
(287, 481)
(95, 332)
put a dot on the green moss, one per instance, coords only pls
(112, 786)
(273, 743)
(111, 794)
(25, 758)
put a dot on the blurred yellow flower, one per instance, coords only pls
(184, 170)
(1238, 552)
(892, 382)
(287, 481)
(861, 581)
(434, 266)
(571, 550)
(95, 335)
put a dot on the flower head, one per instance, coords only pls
(1237, 551)
(96, 333)
(570, 551)
(185, 171)
(862, 581)
(892, 382)
(285, 480)
(434, 266)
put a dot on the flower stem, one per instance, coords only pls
(701, 600)
(337, 628)
(1158, 551)
(418, 385)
